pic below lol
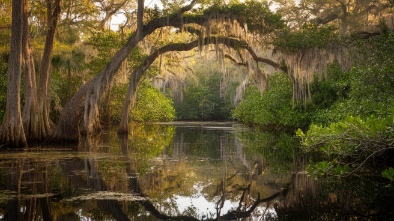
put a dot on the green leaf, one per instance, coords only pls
(388, 173)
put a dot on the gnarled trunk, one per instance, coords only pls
(67, 129)
(12, 131)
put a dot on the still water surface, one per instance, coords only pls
(183, 171)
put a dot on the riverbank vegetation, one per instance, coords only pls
(348, 121)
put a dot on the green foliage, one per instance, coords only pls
(170, 7)
(372, 82)
(255, 14)
(273, 107)
(106, 43)
(203, 102)
(352, 140)
(327, 94)
(117, 96)
(324, 168)
(66, 63)
(308, 37)
(348, 143)
(363, 91)
(5, 39)
(388, 173)
(152, 106)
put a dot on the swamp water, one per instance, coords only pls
(182, 171)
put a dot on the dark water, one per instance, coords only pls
(186, 171)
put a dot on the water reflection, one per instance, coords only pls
(180, 172)
(157, 172)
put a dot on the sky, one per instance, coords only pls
(120, 18)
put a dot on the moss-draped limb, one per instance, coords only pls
(138, 73)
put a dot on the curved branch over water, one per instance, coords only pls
(138, 73)
(91, 92)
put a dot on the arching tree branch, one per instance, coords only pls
(138, 73)
(67, 127)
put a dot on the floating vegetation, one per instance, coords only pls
(108, 195)
(6, 195)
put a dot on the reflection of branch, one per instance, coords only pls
(152, 209)
(220, 204)
(232, 215)
(245, 190)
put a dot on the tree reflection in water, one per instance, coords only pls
(149, 175)
(65, 185)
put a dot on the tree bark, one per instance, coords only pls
(129, 101)
(91, 113)
(12, 131)
(67, 129)
(30, 109)
(53, 13)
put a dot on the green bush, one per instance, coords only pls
(350, 143)
(152, 106)
(274, 107)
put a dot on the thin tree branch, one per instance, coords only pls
(366, 159)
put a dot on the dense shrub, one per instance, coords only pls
(152, 105)
(273, 107)
(349, 144)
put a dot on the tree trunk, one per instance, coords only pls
(12, 131)
(30, 109)
(129, 101)
(53, 13)
(67, 129)
(91, 113)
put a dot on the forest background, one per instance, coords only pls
(321, 69)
